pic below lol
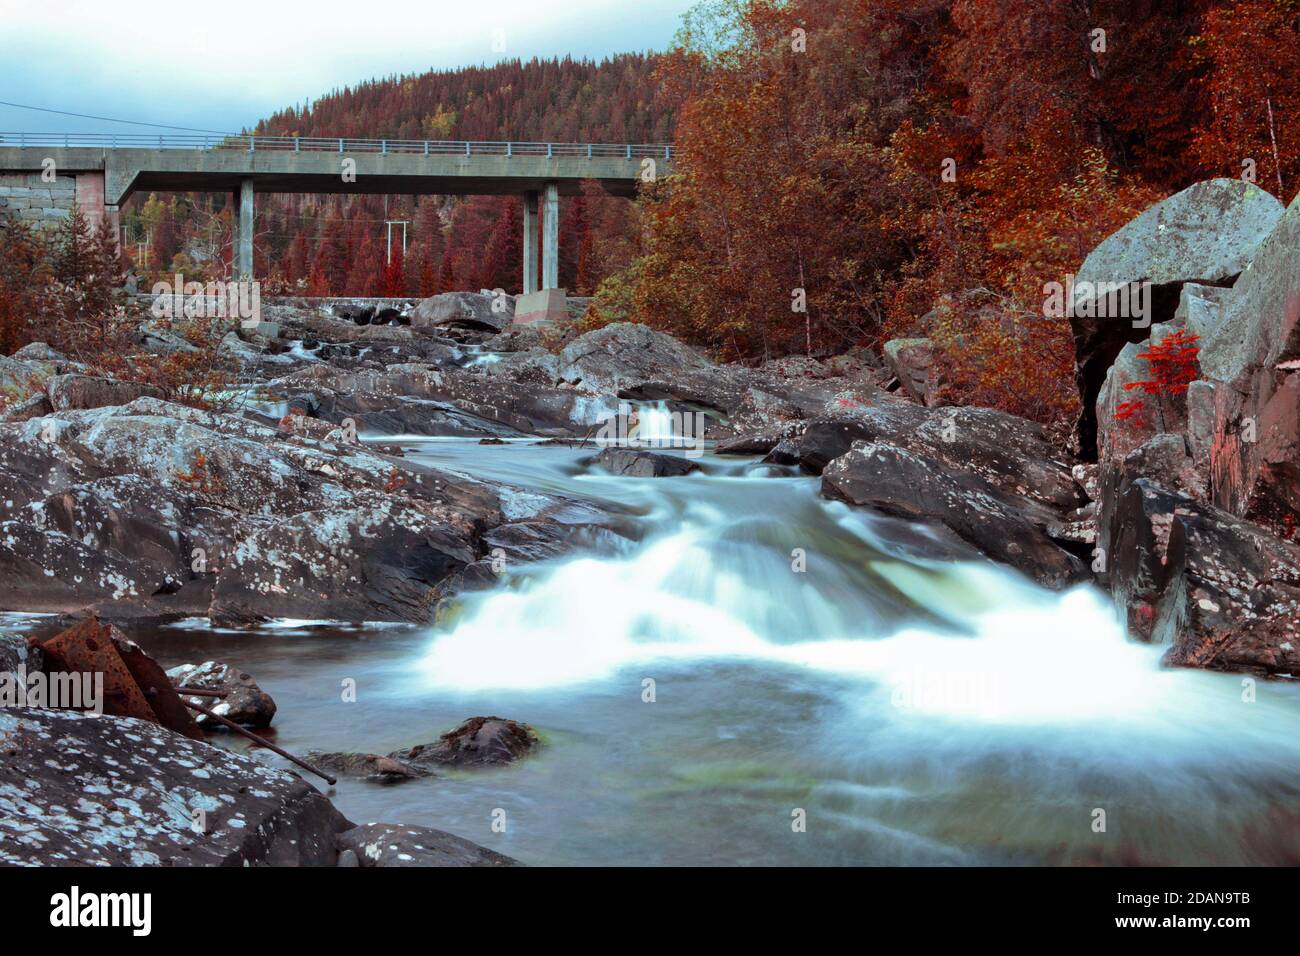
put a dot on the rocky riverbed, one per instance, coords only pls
(316, 491)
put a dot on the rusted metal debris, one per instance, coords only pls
(134, 684)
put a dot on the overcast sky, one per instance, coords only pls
(223, 66)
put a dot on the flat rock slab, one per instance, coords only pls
(115, 791)
(386, 844)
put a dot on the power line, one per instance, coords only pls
(109, 119)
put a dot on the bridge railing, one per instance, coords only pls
(326, 144)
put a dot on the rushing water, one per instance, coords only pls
(805, 658)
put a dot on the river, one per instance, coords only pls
(762, 676)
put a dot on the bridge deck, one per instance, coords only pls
(293, 164)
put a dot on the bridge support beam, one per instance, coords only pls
(551, 237)
(530, 243)
(244, 233)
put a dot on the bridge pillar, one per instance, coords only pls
(530, 242)
(551, 237)
(244, 233)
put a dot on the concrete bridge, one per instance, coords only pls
(100, 172)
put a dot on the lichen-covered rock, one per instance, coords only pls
(1206, 234)
(77, 790)
(388, 844)
(1222, 592)
(88, 391)
(912, 362)
(479, 741)
(245, 703)
(154, 508)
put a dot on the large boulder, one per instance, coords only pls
(154, 508)
(468, 310)
(1221, 592)
(911, 484)
(376, 557)
(626, 357)
(912, 362)
(79, 790)
(1206, 234)
(1253, 360)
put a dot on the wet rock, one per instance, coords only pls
(1009, 528)
(372, 767)
(387, 844)
(355, 313)
(1222, 592)
(374, 558)
(245, 703)
(479, 741)
(154, 508)
(634, 463)
(115, 791)
(756, 443)
(16, 653)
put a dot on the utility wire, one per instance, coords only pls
(109, 119)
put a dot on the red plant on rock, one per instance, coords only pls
(1173, 362)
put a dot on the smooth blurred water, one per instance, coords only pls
(916, 704)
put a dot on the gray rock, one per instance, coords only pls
(470, 310)
(16, 653)
(245, 703)
(912, 362)
(1008, 527)
(86, 391)
(625, 356)
(1206, 234)
(79, 790)
(387, 844)
(1222, 592)
(478, 742)
(635, 463)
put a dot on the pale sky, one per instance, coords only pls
(224, 66)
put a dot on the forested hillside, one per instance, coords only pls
(926, 166)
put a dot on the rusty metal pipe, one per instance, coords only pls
(261, 740)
